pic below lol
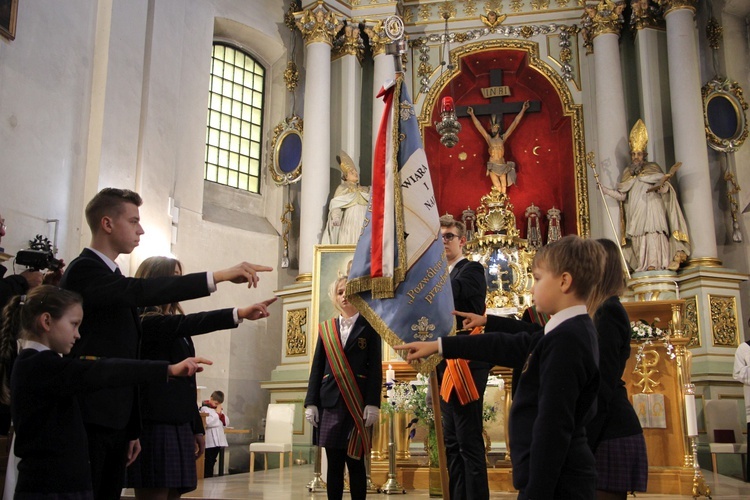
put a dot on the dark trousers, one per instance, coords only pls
(337, 458)
(210, 460)
(107, 453)
(464, 445)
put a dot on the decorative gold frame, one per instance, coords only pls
(725, 90)
(724, 322)
(287, 130)
(8, 8)
(575, 111)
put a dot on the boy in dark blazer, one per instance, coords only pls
(112, 329)
(344, 414)
(462, 422)
(557, 389)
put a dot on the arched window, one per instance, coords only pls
(235, 119)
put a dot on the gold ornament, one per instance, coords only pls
(638, 137)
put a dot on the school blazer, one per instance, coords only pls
(364, 353)
(111, 327)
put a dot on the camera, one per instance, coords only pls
(39, 256)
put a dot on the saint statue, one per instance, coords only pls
(502, 173)
(348, 207)
(655, 233)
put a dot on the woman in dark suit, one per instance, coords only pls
(172, 435)
(343, 394)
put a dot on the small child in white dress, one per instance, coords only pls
(215, 423)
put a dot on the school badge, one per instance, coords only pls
(362, 343)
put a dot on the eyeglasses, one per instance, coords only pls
(449, 236)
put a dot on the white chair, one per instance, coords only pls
(279, 430)
(724, 430)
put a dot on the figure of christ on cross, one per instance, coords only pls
(502, 173)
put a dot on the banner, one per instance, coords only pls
(399, 279)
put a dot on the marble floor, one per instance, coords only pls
(291, 484)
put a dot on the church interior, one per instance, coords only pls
(241, 123)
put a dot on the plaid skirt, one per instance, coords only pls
(78, 495)
(167, 458)
(336, 425)
(622, 464)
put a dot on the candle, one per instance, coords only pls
(390, 378)
(692, 420)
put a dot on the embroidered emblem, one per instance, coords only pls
(362, 343)
(423, 327)
(407, 110)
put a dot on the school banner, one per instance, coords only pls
(399, 279)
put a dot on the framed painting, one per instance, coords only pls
(329, 262)
(8, 14)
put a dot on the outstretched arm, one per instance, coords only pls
(517, 120)
(478, 125)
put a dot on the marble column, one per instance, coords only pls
(384, 70)
(689, 135)
(347, 56)
(611, 120)
(318, 26)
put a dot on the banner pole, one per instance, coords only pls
(442, 459)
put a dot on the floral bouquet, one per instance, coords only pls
(646, 333)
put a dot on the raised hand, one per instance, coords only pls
(471, 320)
(188, 367)
(256, 311)
(418, 350)
(244, 272)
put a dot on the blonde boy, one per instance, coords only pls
(557, 388)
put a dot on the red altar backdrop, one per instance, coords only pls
(541, 145)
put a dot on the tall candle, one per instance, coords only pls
(692, 420)
(390, 378)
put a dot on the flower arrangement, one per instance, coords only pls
(646, 333)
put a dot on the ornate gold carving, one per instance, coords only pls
(296, 336)
(724, 89)
(645, 369)
(605, 17)
(569, 107)
(516, 5)
(447, 8)
(425, 12)
(723, 321)
(289, 19)
(539, 4)
(492, 20)
(291, 76)
(470, 7)
(714, 33)
(495, 216)
(378, 38)
(286, 224)
(691, 324)
(670, 5)
(349, 43)
(496, 5)
(318, 24)
(290, 126)
(645, 14)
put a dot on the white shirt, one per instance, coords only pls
(741, 372)
(345, 327)
(565, 314)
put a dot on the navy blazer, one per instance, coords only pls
(363, 351)
(555, 400)
(111, 327)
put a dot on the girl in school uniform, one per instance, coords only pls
(50, 438)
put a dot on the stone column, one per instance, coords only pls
(318, 26)
(604, 26)
(383, 71)
(347, 55)
(689, 134)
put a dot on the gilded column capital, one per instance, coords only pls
(604, 17)
(670, 5)
(378, 38)
(645, 14)
(318, 24)
(349, 43)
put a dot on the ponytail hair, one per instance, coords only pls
(20, 321)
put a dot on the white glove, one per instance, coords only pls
(311, 415)
(371, 414)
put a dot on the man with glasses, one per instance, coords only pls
(461, 404)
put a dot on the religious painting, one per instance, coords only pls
(329, 263)
(544, 153)
(8, 14)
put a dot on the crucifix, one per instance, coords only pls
(502, 173)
